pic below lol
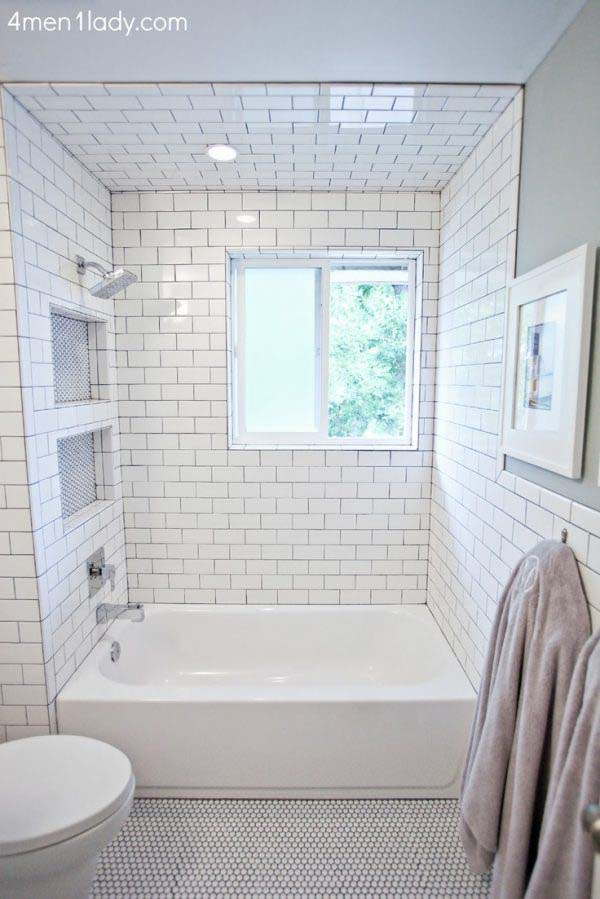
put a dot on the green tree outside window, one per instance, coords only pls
(367, 359)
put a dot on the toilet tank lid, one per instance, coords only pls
(55, 787)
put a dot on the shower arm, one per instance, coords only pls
(83, 265)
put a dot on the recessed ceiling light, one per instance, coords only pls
(246, 218)
(222, 152)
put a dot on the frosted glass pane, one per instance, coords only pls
(280, 349)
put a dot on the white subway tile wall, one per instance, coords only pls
(23, 699)
(207, 524)
(482, 521)
(57, 210)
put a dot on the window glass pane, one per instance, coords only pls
(280, 349)
(367, 354)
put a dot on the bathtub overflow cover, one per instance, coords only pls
(115, 651)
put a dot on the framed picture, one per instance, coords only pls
(549, 314)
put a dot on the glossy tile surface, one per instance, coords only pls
(288, 136)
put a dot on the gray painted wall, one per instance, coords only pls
(559, 204)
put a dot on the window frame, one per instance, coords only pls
(240, 438)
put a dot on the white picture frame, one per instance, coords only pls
(546, 362)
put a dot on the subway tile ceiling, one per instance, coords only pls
(364, 137)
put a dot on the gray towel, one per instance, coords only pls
(565, 859)
(541, 623)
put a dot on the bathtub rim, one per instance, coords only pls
(90, 684)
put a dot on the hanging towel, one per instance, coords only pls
(541, 623)
(565, 859)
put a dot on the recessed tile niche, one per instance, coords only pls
(78, 357)
(85, 470)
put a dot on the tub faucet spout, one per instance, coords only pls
(107, 610)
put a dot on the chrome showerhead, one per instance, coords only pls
(111, 283)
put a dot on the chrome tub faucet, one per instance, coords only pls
(106, 611)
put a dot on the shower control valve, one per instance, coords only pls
(99, 572)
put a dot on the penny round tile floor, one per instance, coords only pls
(288, 848)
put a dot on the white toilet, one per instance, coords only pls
(62, 800)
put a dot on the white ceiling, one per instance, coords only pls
(476, 41)
(288, 136)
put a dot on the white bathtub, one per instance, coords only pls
(278, 701)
